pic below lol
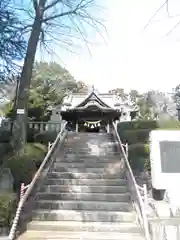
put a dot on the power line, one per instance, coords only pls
(154, 15)
(166, 3)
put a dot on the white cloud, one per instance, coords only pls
(132, 57)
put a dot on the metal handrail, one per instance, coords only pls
(137, 192)
(32, 184)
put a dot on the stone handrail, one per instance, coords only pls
(41, 173)
(136, 195)
(165, 228)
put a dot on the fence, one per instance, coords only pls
(46, 126)
(39, 126)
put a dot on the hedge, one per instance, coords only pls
(135, 136)
(133, 125)
(139, 156)
(136, 133)
(5, 135)
(33, 135)
(25, 165)
(8, 203)
(5, 148)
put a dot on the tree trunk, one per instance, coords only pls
(20, 123)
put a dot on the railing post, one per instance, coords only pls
(22, 190)
(49, 145)
(41, 127)
(127, 150)
(145, 196)
(177, 232)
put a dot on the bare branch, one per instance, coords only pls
(78, 7)
(63, 14)
(51, 4)
(82, 33)
(93, 23)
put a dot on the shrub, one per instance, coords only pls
(31, 133)
(147, 164)
(136, 136)
(5, 135)
(138, 156)
(172, 124)
(46, 137)
(25, 165)
(5, 148)
(136, 133)
(139, 149)
(7, 208)
(142, 124)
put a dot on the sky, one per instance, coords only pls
(134, 55)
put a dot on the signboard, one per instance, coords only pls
(165, 158)
(20, 111)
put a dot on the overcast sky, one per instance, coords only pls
(132, 58)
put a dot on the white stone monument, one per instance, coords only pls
(165, 163)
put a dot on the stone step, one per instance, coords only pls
(101, 149)
(87, 164)
(84, 205)
(106, 170)
(72, 158)
(120, 197)
(57, 235)
(88, 155)
(84, 148)
(87, 182)
(83, 189)
(79, 175)
(90, 226)
(85, 160)
(83, 216)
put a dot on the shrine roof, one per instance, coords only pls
(105, 100)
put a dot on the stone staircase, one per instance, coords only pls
(85, 196)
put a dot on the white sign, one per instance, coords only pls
(165, 158)
(20, 111)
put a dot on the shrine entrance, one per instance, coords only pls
(92, 126)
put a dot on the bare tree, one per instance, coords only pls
(49, 16)
(12, 43)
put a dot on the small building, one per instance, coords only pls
(93, 111)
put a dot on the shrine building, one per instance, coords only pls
(93, 111)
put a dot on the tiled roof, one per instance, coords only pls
(111, 100)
